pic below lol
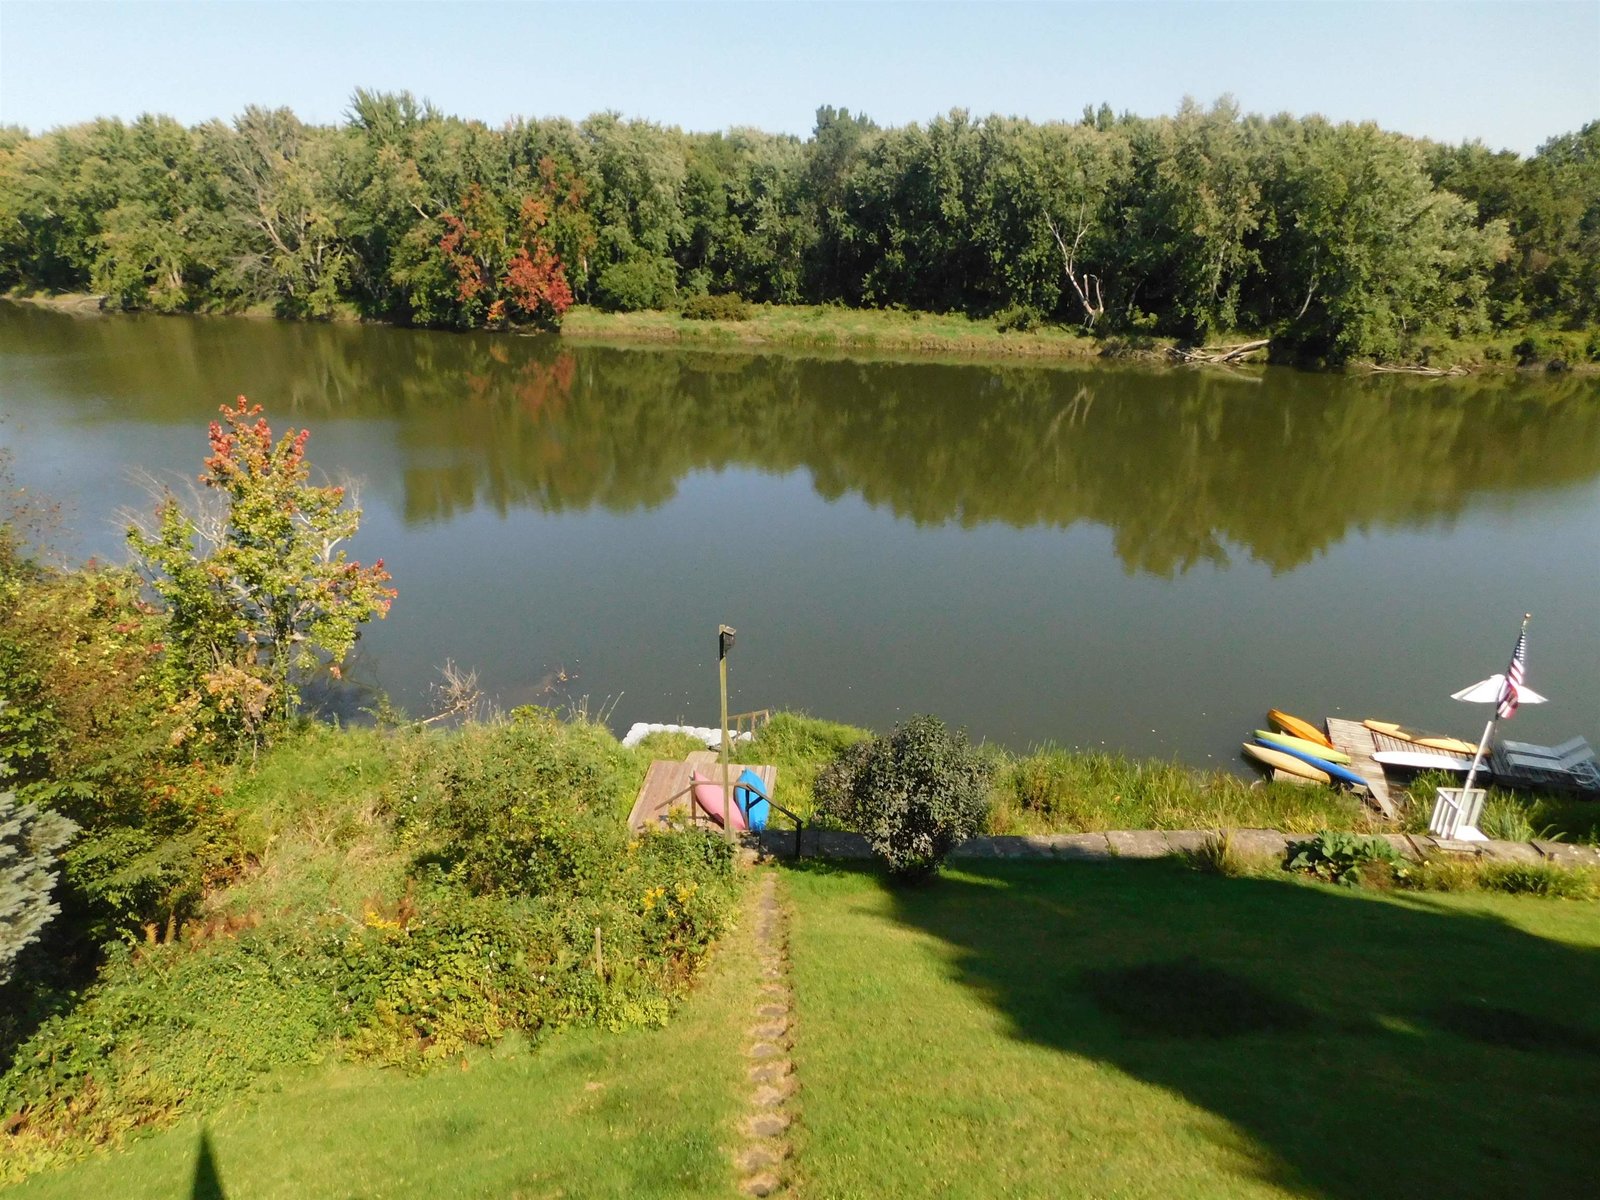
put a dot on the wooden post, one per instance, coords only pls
(724, 644)
(599, 956)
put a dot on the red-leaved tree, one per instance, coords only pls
(258, 588)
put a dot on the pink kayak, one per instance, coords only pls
(708, 799)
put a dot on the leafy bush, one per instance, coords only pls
(86, 732)
(166, 1027)
(1019, 318)
(637, 283)
(916, 794)
(29, 840)
(1344, 858)
(715, 308)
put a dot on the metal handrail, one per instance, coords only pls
(697, 816)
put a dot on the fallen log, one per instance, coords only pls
(1219, 354)
(1432, 372)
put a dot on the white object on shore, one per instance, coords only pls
(1417, 760)
(705, 733)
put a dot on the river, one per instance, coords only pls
(1145, 559)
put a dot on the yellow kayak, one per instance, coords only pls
(1285, 762)
(1309, 747)
(1433, 741)
(1295, 727)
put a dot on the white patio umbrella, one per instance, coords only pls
(1494, 690)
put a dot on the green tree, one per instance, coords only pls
(280, 195)
(260, 591)
(29, 840)
(1359, 250)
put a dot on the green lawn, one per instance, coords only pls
(1130, 1029)
(1142, 1029)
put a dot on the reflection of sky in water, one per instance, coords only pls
(966, 564)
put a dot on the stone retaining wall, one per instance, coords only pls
(1158, 843)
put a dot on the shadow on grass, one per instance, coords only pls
(1368, 1046)
(207, 1183)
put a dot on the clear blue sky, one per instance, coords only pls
(1509, 73)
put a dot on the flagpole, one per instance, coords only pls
(1494, 716)
(1477, 758)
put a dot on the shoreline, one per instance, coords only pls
(888, 333)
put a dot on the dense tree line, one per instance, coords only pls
(1339, 240)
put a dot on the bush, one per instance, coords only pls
(636, 284)
(916, 794)
(1344, 858)
(1019, 318)
(166, 1027)
(715, 308)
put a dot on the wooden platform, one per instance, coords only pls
(667, 777)
(1360, 743)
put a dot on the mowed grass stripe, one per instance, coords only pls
(1144, 1030)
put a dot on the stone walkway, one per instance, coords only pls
(763, 1156)
(1158, 843)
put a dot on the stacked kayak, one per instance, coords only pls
(1299, 748)
(1429, 741)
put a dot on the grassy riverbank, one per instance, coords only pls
(903, 333)
(951, 335)
(835, 328)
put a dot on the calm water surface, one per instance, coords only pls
(1143, 559)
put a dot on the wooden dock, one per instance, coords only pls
(667, 781)
(1360, 743)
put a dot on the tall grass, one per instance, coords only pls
(1061, 791)
(1510, 815)
(1053, 790)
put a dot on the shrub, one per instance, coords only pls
(637, 283)
(916, 794)
(83, 732)
(165, 1027)
(715, 308)
(1344, 858)
(1019, 318)
(519, 809)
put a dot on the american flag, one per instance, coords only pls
(1515, 674)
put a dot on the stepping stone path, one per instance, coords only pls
(762, 1155)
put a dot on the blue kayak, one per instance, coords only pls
(1342, 774)
(751, 796)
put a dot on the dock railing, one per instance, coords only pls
(747, 722)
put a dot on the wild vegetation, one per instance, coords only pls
(241, 891)
(1338, 241)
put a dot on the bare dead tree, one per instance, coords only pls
(1087, 286)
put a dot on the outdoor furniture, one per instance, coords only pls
(1570, 767)
(1455, 814)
